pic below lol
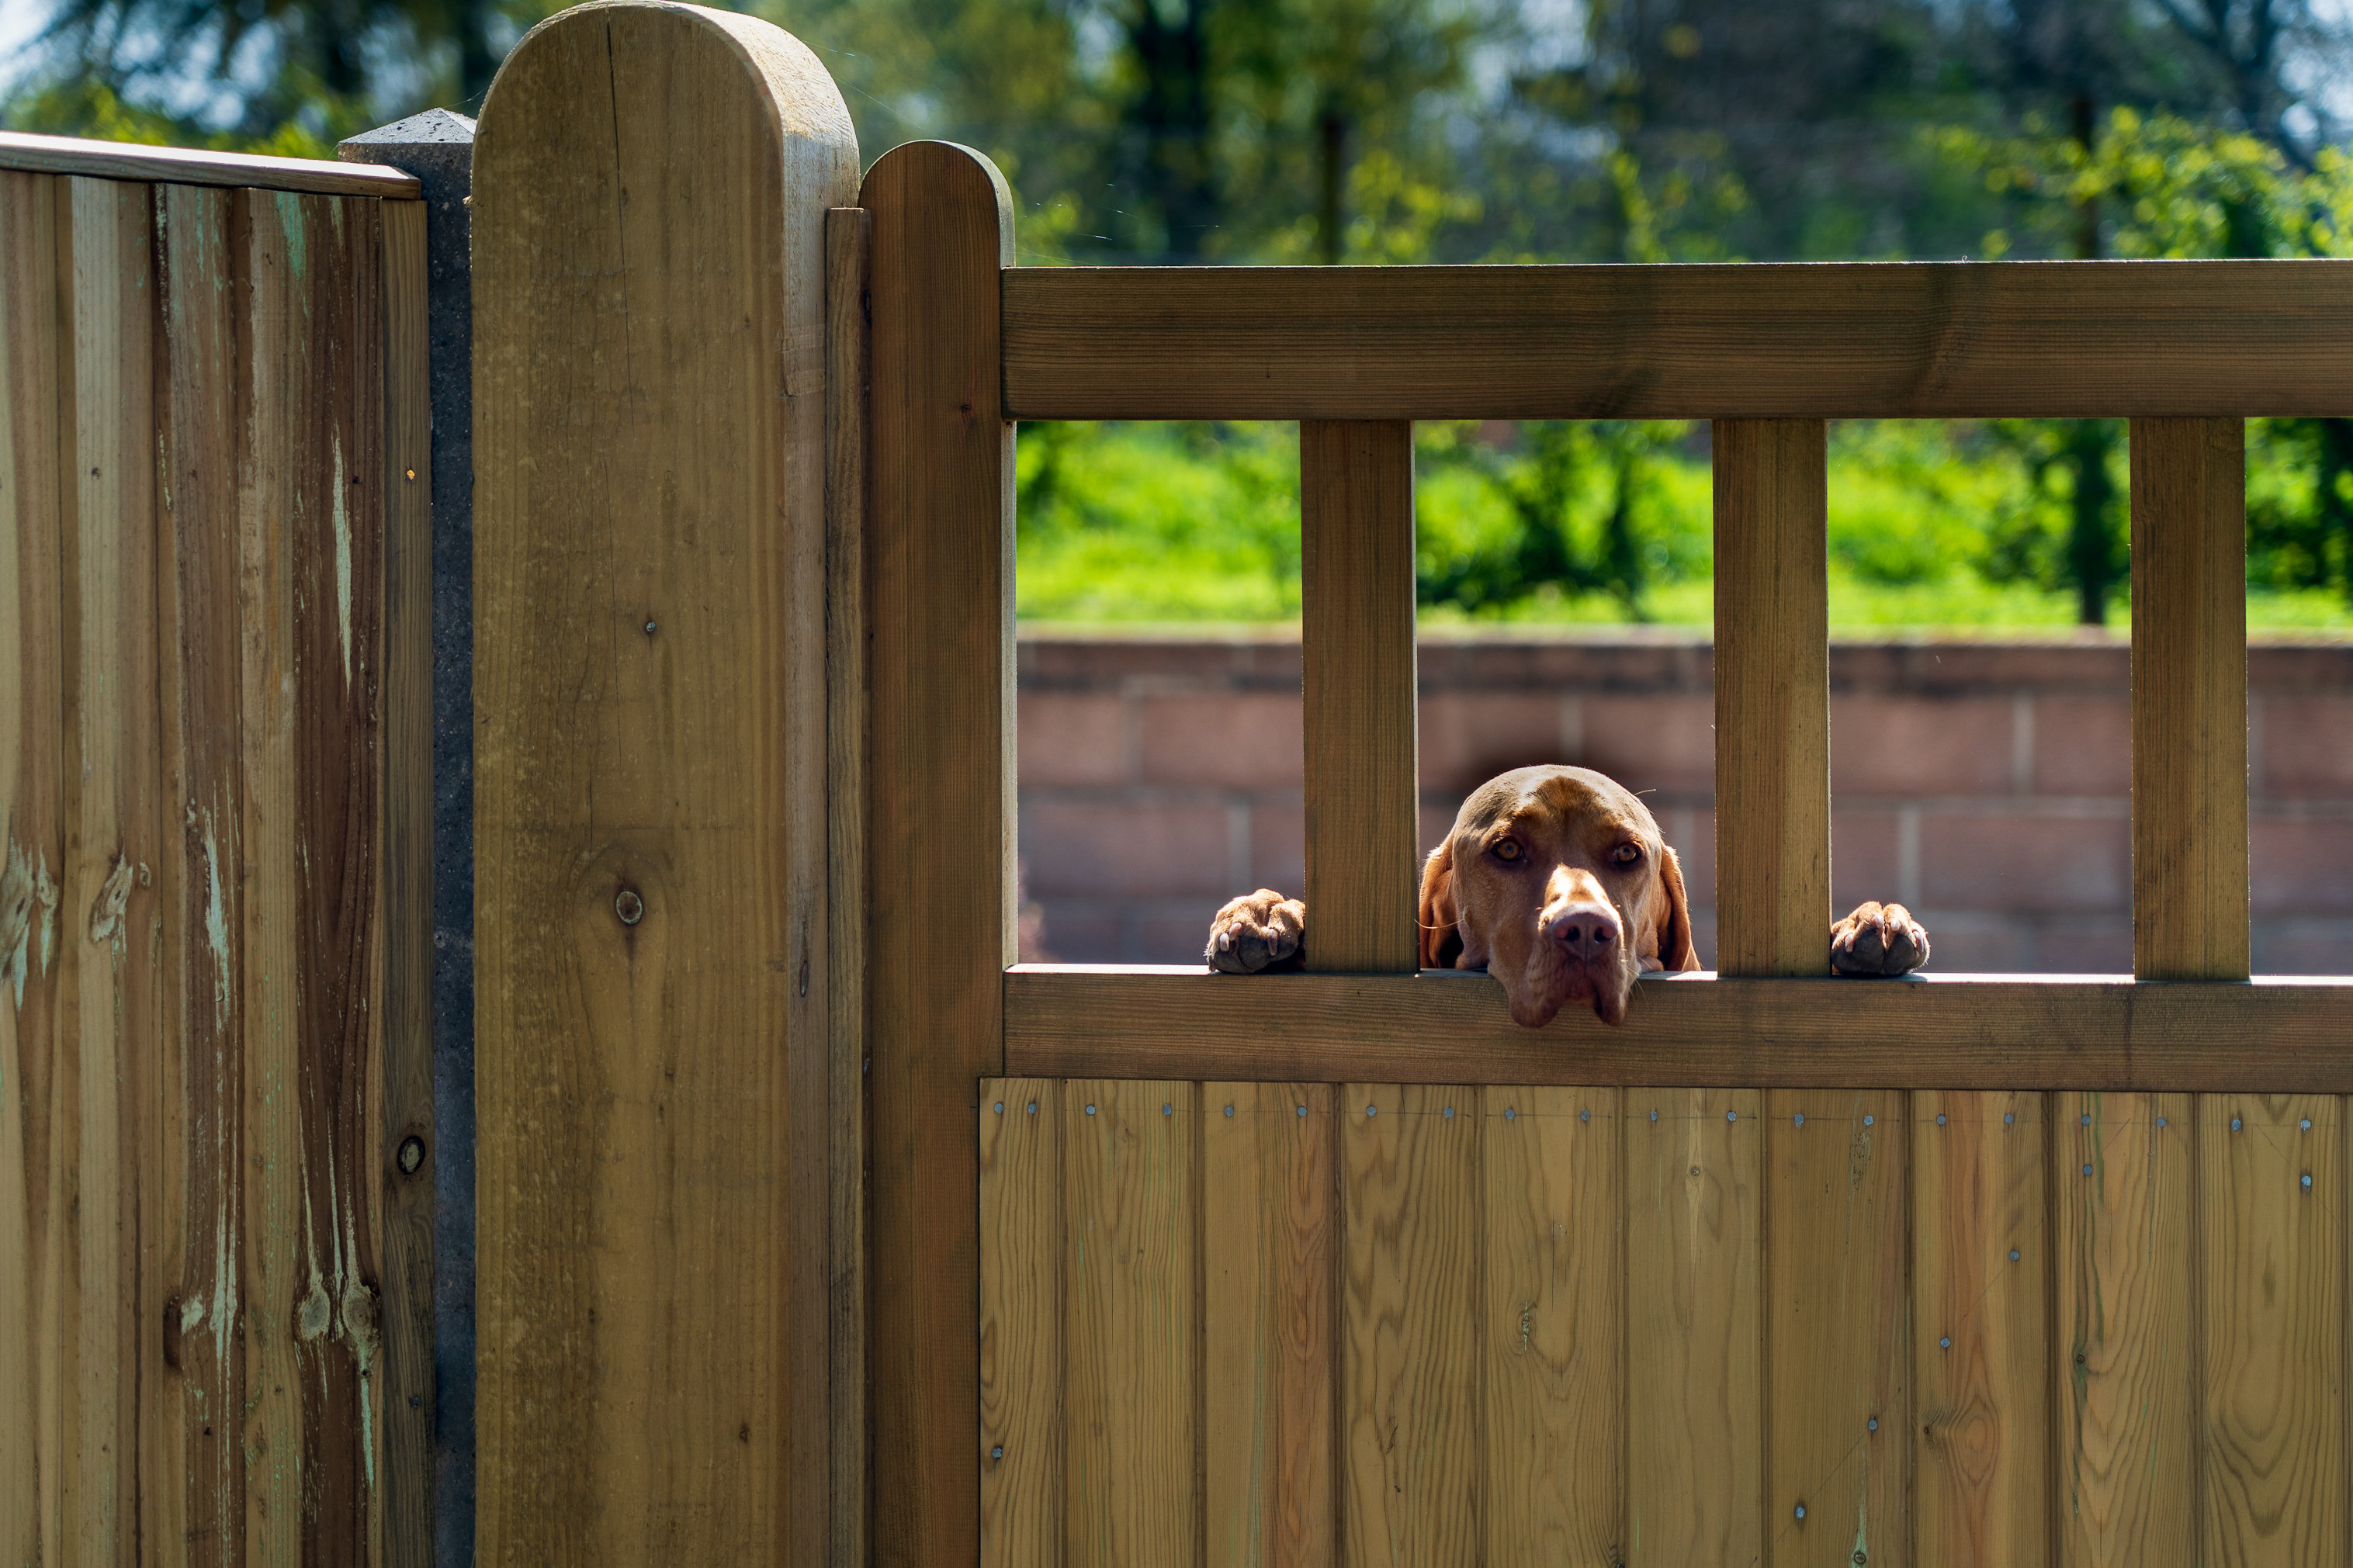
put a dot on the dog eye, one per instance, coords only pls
(1627, 854)
(1507, 850)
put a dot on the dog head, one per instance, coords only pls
(1555, 881)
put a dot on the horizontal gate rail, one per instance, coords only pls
(2272, 1035)
(1862, 339)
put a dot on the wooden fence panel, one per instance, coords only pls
(2270, 1273)
(1552, 1326)
(1694, 1326)
(1131, 1322)
(1836, 1351)
(1982, 1398)
(1269, 1274)
(1022, 1181)
(35, 1155)
(1411, 1481)
(2126, 1471)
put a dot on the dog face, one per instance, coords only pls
(1555, 881)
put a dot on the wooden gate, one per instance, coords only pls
(1344, 1267)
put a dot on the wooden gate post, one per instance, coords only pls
(651, 186)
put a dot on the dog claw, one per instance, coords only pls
(1258, 931)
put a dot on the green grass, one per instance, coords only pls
(1187, 525)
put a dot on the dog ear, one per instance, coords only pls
(1676, 948)
(1440, 943)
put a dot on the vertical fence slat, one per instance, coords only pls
(1130, 1226)
(2126, 1339)
(1836, 1310)
(2189, 698)
(1553, 1341)
(1357, 685)
(849, 235)
(109, 905)
(1695, 1352)
(1411, 1466)
(1270, 1264)
(275, 385)
(1772, 697)
(939, 552)
(33, 1201)
(1022, 1175)
(2272, 1312)
(199, 586)
(1982, 1397)
(652, 1021)
(406, 686)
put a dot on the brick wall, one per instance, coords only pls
(1986, 785)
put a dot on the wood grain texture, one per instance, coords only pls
(939, 552)
(1932, 1031)
(1980, 1329)
(1131, 1325)
(1552, 1334)
(198, 166)
(406, 1074)
(1906, 339)
(1269, 1246)
(1021, 1230)
(848, 369)
(1694, 1326)
(35, 1137)
(1359, 695)
(2126, 1470)
(1412, 1487)
(1837, 1322)
(2189, 698)
(2271, 1306)
(201, 587)
(109, 958)
(1772, 698)
(652, 1035)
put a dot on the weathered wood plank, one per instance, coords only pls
(203, 899)
(1357, 646)
(197, 166)
(849, 235)
(1907, 340)
(34, 1137)
(1694, 1326)
(939, 552)
(404, 1164)
(1270, 1240)
(1980, 1329)
(1772, 698)
(1554, 1342)
(1931, 1032)
(113, 992)
(2271, 1320)
(1021, 1178)
(1837, 1312)
(1131, 1328)
(2189, 698)
(2125, 1337)
(652, 1027)
(1412, 1479)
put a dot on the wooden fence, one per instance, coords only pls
(215, 1117)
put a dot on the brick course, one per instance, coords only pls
(1987, 785)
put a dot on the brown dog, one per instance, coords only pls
(1555, 881)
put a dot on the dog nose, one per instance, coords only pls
(1587, 930)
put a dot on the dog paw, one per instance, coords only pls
(1257, 931)
(1878, 939)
